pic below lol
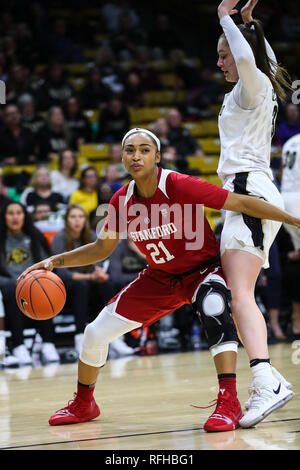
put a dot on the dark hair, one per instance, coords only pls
(141, 132)
(38, 240)
(85, 235)
(254, 34)
(83, 173)
(60, 161)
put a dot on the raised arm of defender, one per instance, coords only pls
(82, 256)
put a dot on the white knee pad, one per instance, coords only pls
(105, 328)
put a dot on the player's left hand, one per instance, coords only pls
(247, 10)
(226, 7)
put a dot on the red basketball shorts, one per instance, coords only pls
(154, 294)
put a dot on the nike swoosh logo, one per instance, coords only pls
(23, 303)
(204, 270)
(278, 389)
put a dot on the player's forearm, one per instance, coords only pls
(264, 210)
(82, 256)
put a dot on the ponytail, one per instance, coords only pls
(278, 75)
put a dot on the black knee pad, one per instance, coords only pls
(212, 306)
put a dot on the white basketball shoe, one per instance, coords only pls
(277, 376)
(265, 398)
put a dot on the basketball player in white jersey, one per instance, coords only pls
(290, 190)
(290, 183)
(246, 126)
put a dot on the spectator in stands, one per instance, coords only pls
(55, 137)
(161, 129)
(63, 179)
(61, 46)
(7, 23)
(77, 122)
(3, 67)
(86, 285)
(17, 143)
(163, 36)
(169, 159)
(40, 191)
(125, 263)
(95, 94)
(9, 192)
(40, 212)
(201, 97)
(290, 126)
(290, 263)
(17, 83)
(291, 20)
(112, 177)
(114, 121)
(125, 41)
(25, 45)
(3, 193)
(87, 193)
(113, 9)
(105, 194)
(111, 74)
(10, 49)
(30, 119)
(181, 139)
(133, 91)
(55, 90)
(273, 292)
(39, 22)
(115, 155)
(80, 29)
(21, 244)
(149, 77)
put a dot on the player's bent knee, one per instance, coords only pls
(94, 348)
(99, 333)
(213, 308)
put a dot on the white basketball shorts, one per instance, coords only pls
(242, 232)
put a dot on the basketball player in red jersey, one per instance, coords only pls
(162, 211)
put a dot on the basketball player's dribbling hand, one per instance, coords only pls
(45, 264)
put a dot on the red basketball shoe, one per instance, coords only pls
(227, 414)
(77, 411)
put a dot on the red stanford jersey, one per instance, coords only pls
(170, 228)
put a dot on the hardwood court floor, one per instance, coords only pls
(146, 405)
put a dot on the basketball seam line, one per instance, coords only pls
(30, 297)
(60, 287)
(36, 279)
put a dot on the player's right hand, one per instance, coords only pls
(45, 264)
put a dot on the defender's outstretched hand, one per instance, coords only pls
(247, 10)
(227, 7)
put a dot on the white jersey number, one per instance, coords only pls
(156, 253)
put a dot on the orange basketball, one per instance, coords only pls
(41, 294)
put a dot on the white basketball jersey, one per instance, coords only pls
(246, 134)
(290, 181)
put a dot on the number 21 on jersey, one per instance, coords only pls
(156, 254)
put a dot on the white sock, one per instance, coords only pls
(262, 372)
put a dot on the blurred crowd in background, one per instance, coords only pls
(77, 79)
